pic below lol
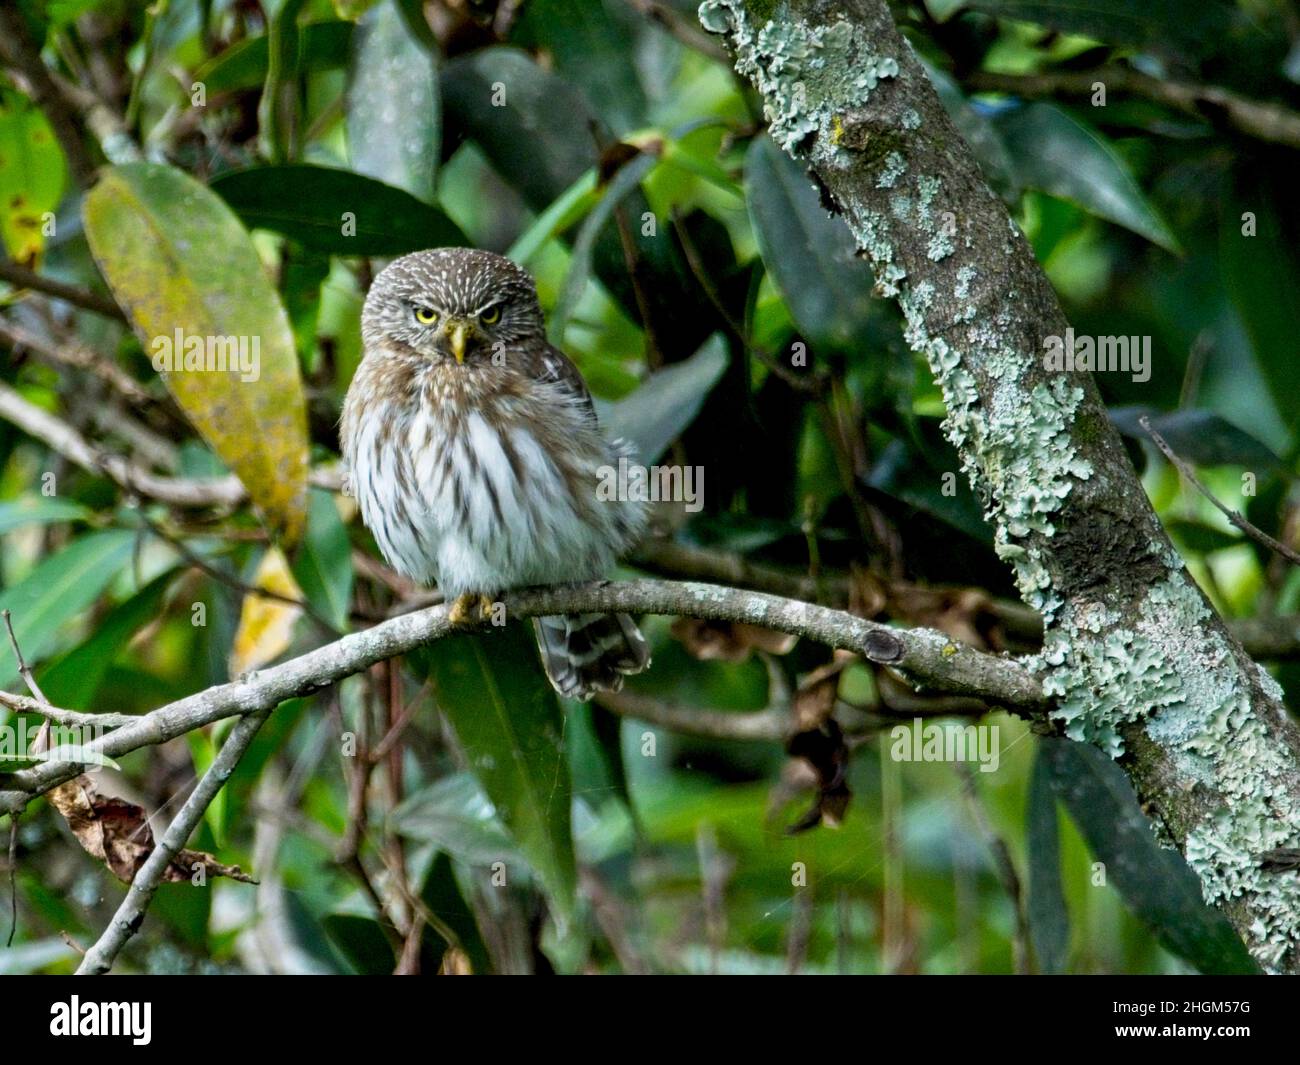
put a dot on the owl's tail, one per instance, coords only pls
(587, 653)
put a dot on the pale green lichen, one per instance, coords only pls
(802, 71)
(1174, 675)
(894, 167)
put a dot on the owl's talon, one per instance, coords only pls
(460, 612)
(471, 608)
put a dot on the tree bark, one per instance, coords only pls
(1138, 661)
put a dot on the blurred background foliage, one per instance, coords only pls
(722, 320)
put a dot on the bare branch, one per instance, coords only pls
(1264, 121)
(24, 705)
(84, 298)
(923, 656)
(226, 492)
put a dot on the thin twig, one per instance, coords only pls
(1264, 121)
(13, 879)
(1183, 467)
(24, 670)
(773, 724)
(58, 435)
(77, 355)
(21, 277)
(130, 914)
(813, 384)
(40, 705)
(72, 718)
(229, 579)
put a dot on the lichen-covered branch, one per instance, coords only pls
(926, 657)
(1138, 661)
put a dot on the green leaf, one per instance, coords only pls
(393, 105)
(321, 46)
(564, 211)
(1160, 24)
(539, 139)
(590, 47)
(335, 211)
(624, 183)
(539, 135)
(203, 752)
(32, 175)
(1154, 881)
(361, 941)
(177, 259)
(810, 255)
(1197, 536)
(666, 403)
(456, 814)
(1262, 276)
(323, 568)
(58, 589)
(1049, 920)
(1057, 154)
(492, 691)
(72, 680)
(443, 897)
(1201, 437)
(39, 510)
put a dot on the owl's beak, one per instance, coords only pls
(458, 333)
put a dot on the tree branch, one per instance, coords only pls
(1263, 121)
(925, 657)
(226, 492)
(21, 277)
(1139, 661)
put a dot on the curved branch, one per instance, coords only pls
(925, 657)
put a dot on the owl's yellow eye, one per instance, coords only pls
(425, 316)
(491, 316)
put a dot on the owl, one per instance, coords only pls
(474, 455)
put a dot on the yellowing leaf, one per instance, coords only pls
(265, 624)
(185, 270)
(32, 176)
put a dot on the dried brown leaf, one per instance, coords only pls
(117, 833)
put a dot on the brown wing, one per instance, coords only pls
(554, 365)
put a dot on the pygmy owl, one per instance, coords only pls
(474, 455)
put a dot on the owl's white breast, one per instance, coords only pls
(478, 500)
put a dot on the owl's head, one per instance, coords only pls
(451, 305)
